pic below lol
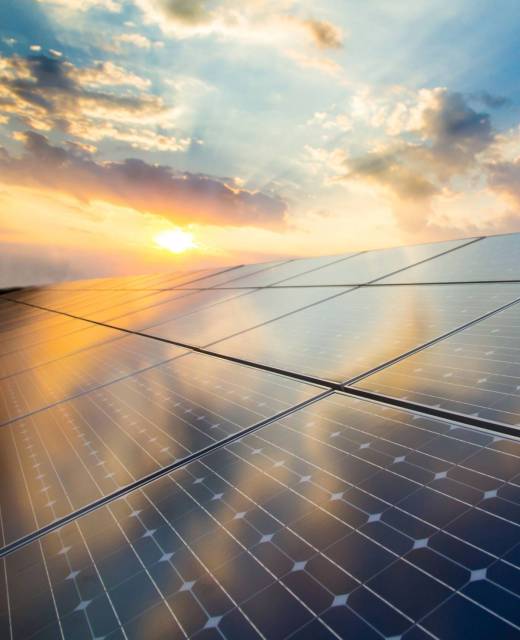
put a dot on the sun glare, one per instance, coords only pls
(175, 240)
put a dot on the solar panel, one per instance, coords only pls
(315, 448)
(278, 272)
(492, 258)
(345, 519)
(115, 435)
(237, 310)
(475, 372)
(361, 329)
(372, 265)
(55, 381)
(234, 275)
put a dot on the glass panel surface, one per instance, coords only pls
(101, 306)
(372, 264)
(474, 372)
(352, 333)
(16, 319)
(63, 458)
(238, 313)
(286, 270)
(166, 307)
(344, 516)
(493, 258)
(232, 277)
(51, 345)
(45, 385)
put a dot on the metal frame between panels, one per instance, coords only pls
(329, 387)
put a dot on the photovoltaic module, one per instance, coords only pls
(307, 449)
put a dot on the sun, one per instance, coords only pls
(175, 240)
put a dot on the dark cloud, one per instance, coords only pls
(191, 12)
(491, 101)
(180, 197)
(325, 34)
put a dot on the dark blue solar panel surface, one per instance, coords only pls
(60, 459)
(150, 491)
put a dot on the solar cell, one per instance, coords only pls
(61, 459)
(371, 265)
(352, 333)
(474, 372)
(492, 258)
(346, 518)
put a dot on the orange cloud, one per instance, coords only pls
(179, 197)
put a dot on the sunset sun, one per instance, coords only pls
(175, 240)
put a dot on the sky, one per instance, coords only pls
(151, 135)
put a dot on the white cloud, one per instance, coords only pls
(275, 24)
(134, 39)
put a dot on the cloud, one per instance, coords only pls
(181, 197)
(441, 138)
(491, 101)
(272, 23)
(134, 39)
(325, 34)
(99, 101)
(190, 12)
(504, 178)
(113, 6)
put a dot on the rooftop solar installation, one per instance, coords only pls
(306, 448)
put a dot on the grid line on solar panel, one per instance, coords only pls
(230, 549)
(115, 440)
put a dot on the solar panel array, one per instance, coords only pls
(316, 448)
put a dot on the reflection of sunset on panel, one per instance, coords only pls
(266, 130)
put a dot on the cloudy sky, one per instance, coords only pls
(243, 131)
